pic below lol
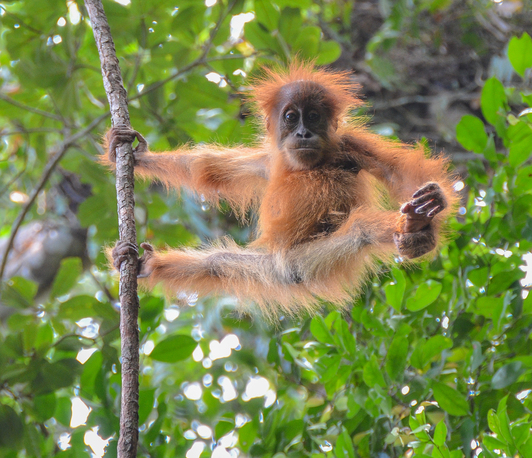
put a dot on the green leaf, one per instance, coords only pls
(44, 337)
(523, 181)
(295, 3)
(440, 433)
(53, 376)
(491, 441)
(343, 334)
(424, 352)
(78, 307)
(44, 406)
(504, 420)
(471, 134)
(11, 427)
(146, 404)
(507, 374)
(527, 99)
(395, 291)
(259, 36)
(63, 411)
(478, 277)
(19, 292)
(246, 436)
(67, 276)
(308, 42)
(493, 101)
(223, 426)
(521, 143)
(520, 53)
(174, 348)
(320, 331)
(344, 445)
(330, 369)
(91, 369)
(450, 400)
(174, 234)
(396, 359)
(293, 429)
(502, 281)
(352, 406)
(425, 295)
(520, 432)
(290, 24)
(329, 52)
(94, 210)
(266, 14)
(150, 308)
(495, 425)
(372, 373)
(526, 448)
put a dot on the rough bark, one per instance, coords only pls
(129, 304)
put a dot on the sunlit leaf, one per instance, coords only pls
(395, 291)
(471, 134)
(493, 101)
(320, 330)
(520, 53)
(173, 349)
(440, 434)
(425, 295)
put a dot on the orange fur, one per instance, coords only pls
(322, 230)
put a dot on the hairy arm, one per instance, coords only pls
(403, 169)
(237, 175)
(421, 185)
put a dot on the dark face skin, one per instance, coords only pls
(304, 124)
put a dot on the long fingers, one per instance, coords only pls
(121, 134)
(144, 269)
(426, 188)
(434, 195)
(434, 211)
(424, 208)
(122, 251)
(146, 247)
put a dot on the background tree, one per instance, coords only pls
(432, 361)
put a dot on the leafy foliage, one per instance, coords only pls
(431, 361)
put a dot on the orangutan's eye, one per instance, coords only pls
(313, 116)
(291, 116)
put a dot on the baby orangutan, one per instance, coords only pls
(317, 180)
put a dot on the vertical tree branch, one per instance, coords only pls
(117, 96)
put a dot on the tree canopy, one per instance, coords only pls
(430, 361)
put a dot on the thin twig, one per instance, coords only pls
(39, 130)
(103, 287)
(10, 182)
(50, 166)
(20, 21)
(230, 57)
(162, 82)
(46, 114)
(133, 77)
(69, 336)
